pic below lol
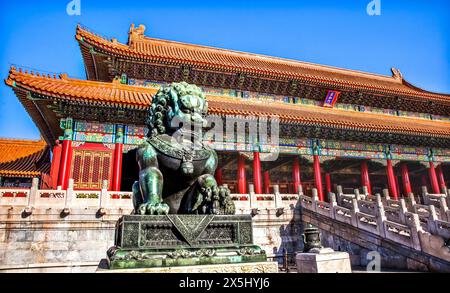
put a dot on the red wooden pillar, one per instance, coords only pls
(328, 183)
(56, 162)
(405, 179)
(391, 180)
(318, 177)
(242, 181)
(218, 176)
(365, 179)
(64, 168)
(441, 178)
(296, 174)
(433, 179)
(266, 182)
(397, 185)
(257, 180)
(117, 169)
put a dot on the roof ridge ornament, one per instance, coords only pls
(396, 73)
(63, 76)
(135, 34)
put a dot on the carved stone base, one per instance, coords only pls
(183, 240)
(257, 267)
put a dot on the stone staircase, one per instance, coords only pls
(417, 234)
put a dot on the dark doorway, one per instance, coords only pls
(130, 170)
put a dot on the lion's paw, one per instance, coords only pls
(154, 209)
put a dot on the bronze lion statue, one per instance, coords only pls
(175, 168)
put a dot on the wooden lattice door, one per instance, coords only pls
(90, 168)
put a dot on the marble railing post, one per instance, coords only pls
(104, 198)
(412, 200)
(386, 194)
(415, 229)
(357, 195)
(354, 211)
(69, 194)
(339, 192)
(33, 192)
(381, 218)
(403, 210)
(432, 226)
(333, 204)
(277, 197)
(366, 192)
(378, 199)
(444, 209)
(252, 196)
(300, 190)
(315, 199)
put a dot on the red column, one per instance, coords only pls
(266, 182)
(365, 179)
(64, 167)
(433, 179)
(56, 162)
(218, 176)
(328, 183)
(391, 180)
(397, 185)
(117, 169)
(405, 179)
(296, 174)
(440, 176)
(242, 181)
(257, 180)
(318, 177)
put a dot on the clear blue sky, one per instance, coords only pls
(411, 35)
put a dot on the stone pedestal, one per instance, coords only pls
(323, 262)
(256, 267)
(183, 240)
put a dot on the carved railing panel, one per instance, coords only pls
(14, 197)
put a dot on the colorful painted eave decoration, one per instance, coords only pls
(331, 98)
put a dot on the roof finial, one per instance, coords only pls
(136, 33)
(63, 76)
(396, 74)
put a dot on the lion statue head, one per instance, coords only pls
(178, 105)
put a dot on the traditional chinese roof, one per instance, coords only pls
(154, 51)
(24, 158)
(77, 90)
(124, 96)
